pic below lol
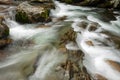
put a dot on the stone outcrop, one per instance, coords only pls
(4, 34)
(95, 3)
(32, 12)
(7, 2)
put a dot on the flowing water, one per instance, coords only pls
(34, 53)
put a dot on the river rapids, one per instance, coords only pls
(35, 54)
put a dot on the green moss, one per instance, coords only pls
(22, 17)
(6, 33)
(69, 1)
(45, 14)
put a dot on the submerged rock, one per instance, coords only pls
(100, 77)
(93, 26)
(90, 43)
(114, 64)
(29, 12)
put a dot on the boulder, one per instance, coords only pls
(95, 3)
(4, 33)
(66, 35)
(7, 2)
(93, 26)
(41, 1)
(4, 30)
(90, 43)
(30, 12)
(5, 42)
(70, 1)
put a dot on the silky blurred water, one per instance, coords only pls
(33, 54)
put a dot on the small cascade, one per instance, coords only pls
(96, 39)
(80, 43)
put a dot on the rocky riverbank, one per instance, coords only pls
(95, 3)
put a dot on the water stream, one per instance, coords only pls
(34, 53)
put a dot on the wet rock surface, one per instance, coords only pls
(100, 77)
(95, 3)
(4, 33)
(29, 12)
(114, 64)
(72, 69)
(7, 2)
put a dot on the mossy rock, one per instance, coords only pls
(22, 17)
(4, 30)
(31, 13)
(69, 1)
(4, 34)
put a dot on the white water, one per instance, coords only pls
(46, 57)
(47, 65)
(21, 64)
(96, 55)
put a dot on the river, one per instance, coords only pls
(34, 53)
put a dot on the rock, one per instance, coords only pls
(4, 30)
(113, 38)
(106, 15)
(2, 55)
(82, 24)
(5, 42)
(90, 43)
(66, 35)
(59, 19)
(4, 33)
(75, 67)
(63, 49)
(114, 64)
(28, 12)
(95, 3)
(70, 1)
(43, 26)
(2, 8)
(73, 72)
(41, 1)
(100, 77)
(93, 26)
(7, 2)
